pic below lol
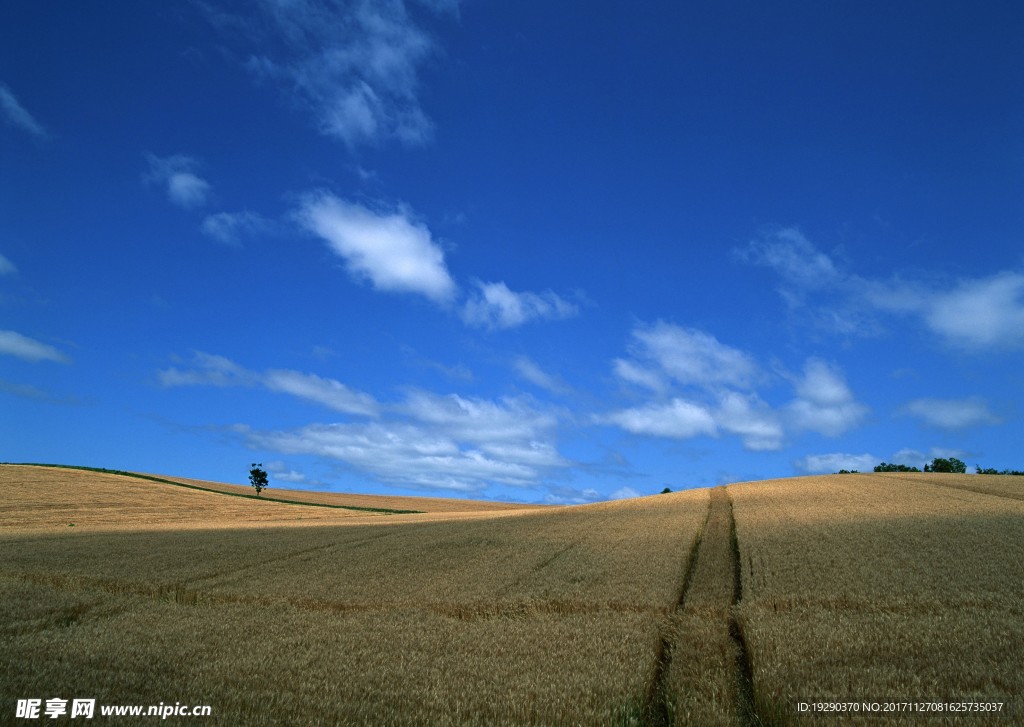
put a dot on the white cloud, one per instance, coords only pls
(211, 370)
(417, 454)
(687, 355)
(529, 370)
(792, 256)
(634, 373)
(973, 314)
(676, 419)
(950, 413)
(824, 402)
(187, 190)
(751, 419)
(177, 174)
(968, 313)
(228, 227)
(562, 495)
(354, 65)
(744, 415)
(16, 115)
(987, 312)
(208, 370)
(494, 305)
(280, 471)
(29, 349)
(327, 392)
(835, 461)
(391, 251)
(427, 440)
(666, 357)
(624, 493)
(480, 421)
(6, 266)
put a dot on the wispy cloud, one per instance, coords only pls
(355, 66)
(230, 227)
(814, 464)
(393, 252)
(16, 115)
(675, 419)
(789, 253)
(502, 425)
(686, 355)
(824, 402)
(178, 177)
(974, 314)
(639, 375)
(25, 391)
(208, 370)
(950, 414)
(625, 493)
(399, 455)
(743, 415)
(752, 420)
(425, 440)
(700, 386)
(28, 349)
(495, 305)
(967, 313)
(433, 441)
(212, 370)
(281, 472)
(7, 267)
(532, 372)
(327, 392)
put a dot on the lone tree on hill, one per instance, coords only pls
(258, 478)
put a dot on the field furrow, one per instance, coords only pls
(702, 674)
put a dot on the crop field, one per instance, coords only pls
(885, 588)
(337, 499)
(724, 606)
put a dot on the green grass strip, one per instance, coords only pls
(384, 510)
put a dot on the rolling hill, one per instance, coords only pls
(892, 599)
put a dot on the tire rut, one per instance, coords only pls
(703, 626)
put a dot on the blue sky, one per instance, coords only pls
(530, 251)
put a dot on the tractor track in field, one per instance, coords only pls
(712, 586)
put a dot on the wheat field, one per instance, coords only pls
(884, 588)
(724, 606)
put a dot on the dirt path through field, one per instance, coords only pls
(702, 674)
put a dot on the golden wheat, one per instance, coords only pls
(701, 681)
(513, 617)
(389, 502)
(881, 589)
(854, 588)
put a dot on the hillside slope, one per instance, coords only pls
(726, 606)
(45, 498)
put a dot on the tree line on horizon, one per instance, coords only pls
(939, 464)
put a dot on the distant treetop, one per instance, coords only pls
(886, 467)
(940, 464)
(994, 471)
